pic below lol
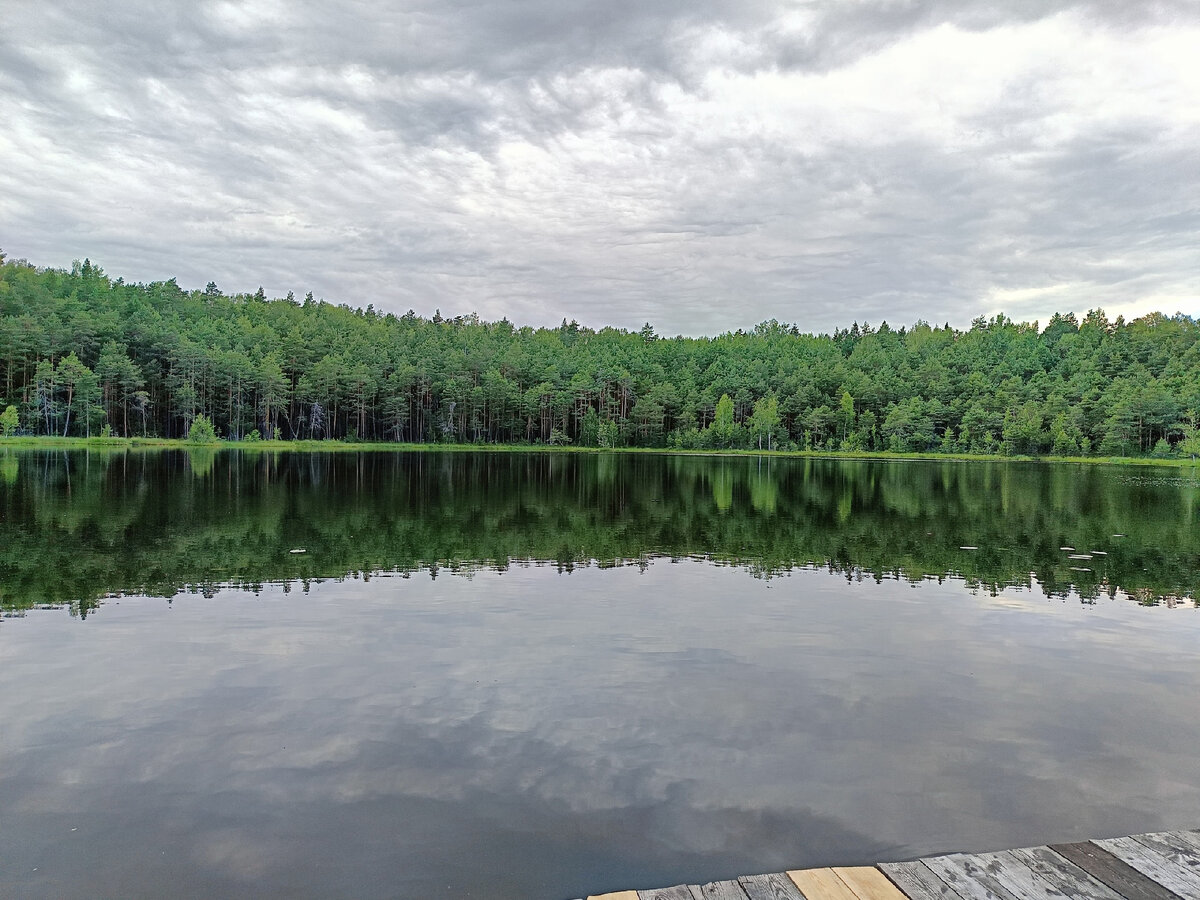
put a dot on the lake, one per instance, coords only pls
(506, 675)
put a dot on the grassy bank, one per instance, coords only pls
(334, 446)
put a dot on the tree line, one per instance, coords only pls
(85, 354)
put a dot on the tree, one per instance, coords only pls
(589, 431)
(10, 421)
(723, 430)
(845, 414)
(1189, 446)
(765, 419)
(202, 431)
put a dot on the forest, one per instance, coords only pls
(83, 354)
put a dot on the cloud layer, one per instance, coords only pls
(701, 165)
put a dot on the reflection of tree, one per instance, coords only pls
(202, 460)
(9, 468)
(75, 527)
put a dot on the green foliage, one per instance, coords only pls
(608, 435)
(253, 437)
(83, 351)
(1190, 445)
(202, 431)
(10, 421)
(589, 429)
(764, 421)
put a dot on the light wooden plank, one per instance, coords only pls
(719, 890)
(868, 883)
(918, 881)
(1117, 874)
(1188, 838)
(970, 878)
(1174, 846)
(1010, 873)
(679, 892)
(618, 895)
(1055, 876)
(821, 884)
(770, 887)
(1153, 864)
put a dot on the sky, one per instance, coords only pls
(702, 165)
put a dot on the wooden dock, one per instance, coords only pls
(1160, 866)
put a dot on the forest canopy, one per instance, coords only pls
(83, 354)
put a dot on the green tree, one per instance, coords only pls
(589, 432)
(722, 432)
(765, 419)
(10, 421)
(202, 431)
(845, 416)
(1189, 446)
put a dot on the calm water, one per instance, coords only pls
(506, 676)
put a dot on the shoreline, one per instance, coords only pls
(338, 446)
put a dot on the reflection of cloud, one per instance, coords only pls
(685, 722)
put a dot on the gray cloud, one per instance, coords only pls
(700, 165)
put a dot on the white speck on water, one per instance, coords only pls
(968, 548)
(1080, 556)
(298, 551)
(1098, 552)
(1066, 548)
(1079, 569)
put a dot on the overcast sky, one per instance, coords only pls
(700, 164)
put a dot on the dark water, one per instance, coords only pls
(541, 676)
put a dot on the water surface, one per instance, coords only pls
(514, 676)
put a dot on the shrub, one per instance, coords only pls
(202, 431)
(10, 421)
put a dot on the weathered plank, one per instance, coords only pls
(1012, 874)
(719, 890)
(970, 878)
(618, 895)
(918, 881)
(1116, 873)
(1175, 846)
(868, 883)
(679, 892)
(821, 884)
(1189, 838)
(1054, 876)
(770, 887)
(1154, 865)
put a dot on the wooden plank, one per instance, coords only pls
(967, 875)
(719, 890)
(619, 895)
(1174, 846)
(1188, 838)
(1055, 876)
(1153, 864)
(821, 884)
(918, 881)
(868, 883)
(679, 892)
(1117, 874)
(1010, 873)
(770, 887)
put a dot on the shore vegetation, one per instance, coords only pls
(83, 355)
